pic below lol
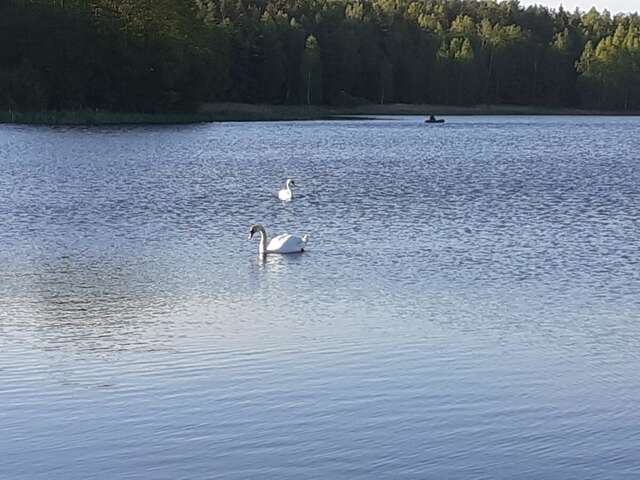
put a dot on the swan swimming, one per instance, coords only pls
(281, 244)
(286, 193)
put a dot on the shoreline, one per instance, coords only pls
(95, 118)
(243, 112)
(300, 112)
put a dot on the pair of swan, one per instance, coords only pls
(284, 243)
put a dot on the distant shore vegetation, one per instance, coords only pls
(163, 56)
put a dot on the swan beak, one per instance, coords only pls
(250, 236)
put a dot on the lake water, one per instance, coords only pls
(468, 307)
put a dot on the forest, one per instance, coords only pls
(172, 55)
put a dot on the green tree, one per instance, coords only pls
(159, 55)
(312, 71)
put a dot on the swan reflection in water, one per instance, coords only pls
(279, 263)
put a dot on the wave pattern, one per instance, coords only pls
(468, 306)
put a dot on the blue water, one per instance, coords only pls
(468, 306)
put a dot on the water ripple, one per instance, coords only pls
(467, 308)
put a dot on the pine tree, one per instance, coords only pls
(312, 71)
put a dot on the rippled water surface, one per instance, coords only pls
(468, 307)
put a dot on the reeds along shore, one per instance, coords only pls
(87, 117)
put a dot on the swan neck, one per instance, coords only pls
(263, 240)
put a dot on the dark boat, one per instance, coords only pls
(433, 119)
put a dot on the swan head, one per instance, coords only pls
(255, 228)
(290, 183)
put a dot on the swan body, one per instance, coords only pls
(284, 243)
(286, 193)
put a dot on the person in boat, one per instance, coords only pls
(432, 118)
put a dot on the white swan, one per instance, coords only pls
(281, 244)
(286, 193)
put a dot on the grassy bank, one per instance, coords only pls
(102, 118)
(403, 109)
(241, 111)
(238, 112)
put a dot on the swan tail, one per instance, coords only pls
(305, 238)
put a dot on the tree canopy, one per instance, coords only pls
(171, 55)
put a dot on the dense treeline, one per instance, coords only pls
(164, 55)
